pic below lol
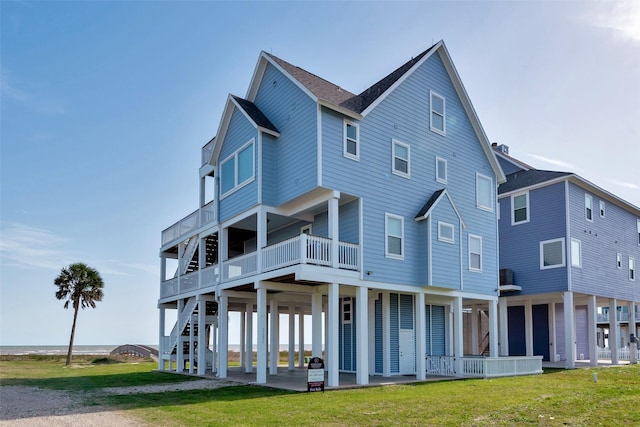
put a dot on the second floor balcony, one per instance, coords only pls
(301, 249)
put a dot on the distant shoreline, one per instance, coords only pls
(52, 350)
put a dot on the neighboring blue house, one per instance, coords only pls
(568, 251)
(375, 214)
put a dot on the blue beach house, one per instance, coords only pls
(569, 251)
(371, 215)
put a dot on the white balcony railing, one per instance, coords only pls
(484, 367)
(302, 249)
(206, 152)
(623, 353)
(196, 219)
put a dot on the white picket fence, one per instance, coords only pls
(623, 353)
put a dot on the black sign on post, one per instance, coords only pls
(315, 375)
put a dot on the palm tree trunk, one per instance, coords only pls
(73, 331)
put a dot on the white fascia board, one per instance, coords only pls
(534, 186)
(589, 186)
(341, 110)
(453, 205)
(513, 161)
(257, 78)
(401, 80)
(253, 123)
(222, 128)
(471, 112)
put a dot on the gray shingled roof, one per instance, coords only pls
(254, 112)
(336, 95)
(523, 179)
(434, 197)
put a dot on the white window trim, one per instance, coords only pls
(471, 237)
(305, 228)
(345, 153)
(347, 302)
(386, 234)
(446, 172)
(395, 142)
(513, 210)
(442, 132)
(619, 261)
(479, 176)
(579, 265)
(443, 238)
(638, 229)
(602, 208)
(632, 261)
(237, 186)
(564, 255)
(590, 198)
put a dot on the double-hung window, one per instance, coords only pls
(619, 260)
(576, 253)
(475, 253)
(351, 146)
(588, 207)
(394, 236)
(437, 121)
(552, 254)
(520, 212)
(638, 227)
(602, 207)
(484, 192)
(441, 170)
(632, 269)
(401, 159)
(238, 169)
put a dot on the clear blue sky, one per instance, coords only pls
(105, 106)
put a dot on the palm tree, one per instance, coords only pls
(81, 286)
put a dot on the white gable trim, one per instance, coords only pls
(401, 80)
(259, 73)
(453, 205)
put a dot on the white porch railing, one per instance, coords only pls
(198, 218)
(441, 365)
(239, 267)
(623, 353)
(484, 367)
(348, 256)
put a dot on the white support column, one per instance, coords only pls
(191, 343)
(179, 346)
(261, 368)
(333, 315)
(613, 330)
(592, 329)
(386, 334)
(493, 328)
(223, 337)
(458, 335)
(242, 338)
(475, 331)
(163, 269)
(248, 362)
(292, 337)
(274, 329)
(202, 336)
(633, 355)
(569, 331)
(214, 344)
(421, 329)
(301, 339)
(316, 324)
(334, 231)
(362, 335)
(261, 237)
(161, 327)
(504, 326)
(528, 327)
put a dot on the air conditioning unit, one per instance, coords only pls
(506, 277)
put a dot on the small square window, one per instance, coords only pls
(438, 115)
(351, 146)
(401, 159)
(588, 207)
(441, 170)
(445, 232)
(552, 254)
(602, 206)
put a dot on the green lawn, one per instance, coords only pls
(557, 397)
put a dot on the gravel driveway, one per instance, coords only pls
(33, 406)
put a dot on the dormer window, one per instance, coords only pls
(438, 115)
(351, 148)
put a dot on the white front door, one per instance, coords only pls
(407, 352)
